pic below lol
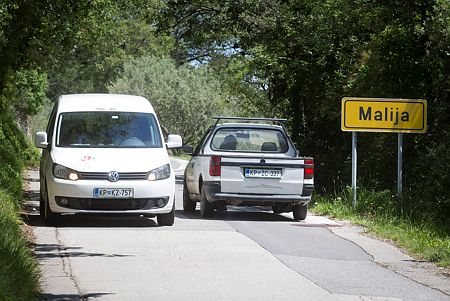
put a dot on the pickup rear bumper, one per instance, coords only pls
(214, 194)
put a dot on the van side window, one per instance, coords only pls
(51, 123)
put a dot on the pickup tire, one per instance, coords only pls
(206, 208)
(188, 204)
(300, 212)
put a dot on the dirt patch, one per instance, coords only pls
(27, 231)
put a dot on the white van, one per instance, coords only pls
(105, 154)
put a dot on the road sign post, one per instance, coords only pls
(400, 166)
(354, 167)
(382, 115)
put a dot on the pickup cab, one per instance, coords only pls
(248, 162)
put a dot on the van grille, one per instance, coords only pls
(111, 204)
(94, 204)
(122, 175)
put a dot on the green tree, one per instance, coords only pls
(25, 96)
(184, 97)
(112, 33)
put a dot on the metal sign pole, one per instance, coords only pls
(399, 166)
(354, 167)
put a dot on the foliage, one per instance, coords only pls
(25, 92)
(32, 33)
(15, 152)
(111, 33)
(18, 266)
(185, 98)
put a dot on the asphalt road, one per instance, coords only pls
(241, 254)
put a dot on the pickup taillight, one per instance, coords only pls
(309, 169)
(214, 166)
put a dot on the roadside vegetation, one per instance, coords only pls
(18, 266)
(381, 213)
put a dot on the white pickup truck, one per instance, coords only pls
(248, 162)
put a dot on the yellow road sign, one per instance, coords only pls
(384, 115)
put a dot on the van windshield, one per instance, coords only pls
(108, 129)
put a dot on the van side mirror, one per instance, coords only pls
(188, 150)
(174, 141)
(40, 140)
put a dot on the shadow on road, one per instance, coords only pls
(71, 297)
(43, 251)
(87, 221)
(255, 214)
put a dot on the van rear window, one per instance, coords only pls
(108, 129)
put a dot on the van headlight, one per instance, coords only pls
(159, 173)
(62, 172)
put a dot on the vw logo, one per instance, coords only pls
(113, 176)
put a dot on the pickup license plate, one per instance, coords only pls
(262, 173)
(113, 193)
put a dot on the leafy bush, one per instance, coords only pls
(18, 267)
(14, 153)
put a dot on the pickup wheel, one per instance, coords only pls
(188, 204)
(300, 212)
(206, 208)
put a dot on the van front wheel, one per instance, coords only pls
(167, 219)
(50, 218)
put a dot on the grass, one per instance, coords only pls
(377, 212)
(18, 266)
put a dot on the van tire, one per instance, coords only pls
(41, 205)
(188, 204)
(167, 219)
(50, 218)
(206, 208)
(300, 212)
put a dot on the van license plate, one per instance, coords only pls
(262, 173)
(113, 193)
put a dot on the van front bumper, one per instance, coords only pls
(150, 197)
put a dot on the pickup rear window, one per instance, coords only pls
(256, 140)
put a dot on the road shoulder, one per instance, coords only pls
(392, 258)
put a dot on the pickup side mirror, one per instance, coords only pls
(174, 141)
(40, 140)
